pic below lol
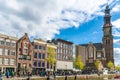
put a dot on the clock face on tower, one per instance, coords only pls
(107, 31)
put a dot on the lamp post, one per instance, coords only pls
(24, 69)
(66, 69)
(66, 72)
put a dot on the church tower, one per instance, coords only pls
(107, 36)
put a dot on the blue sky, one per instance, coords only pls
(80, 21)
(85, 33)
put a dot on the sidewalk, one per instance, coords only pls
(17, 78)
(14, 78)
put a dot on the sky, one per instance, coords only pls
(78, 21)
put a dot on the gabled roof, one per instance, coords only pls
(98, 46)
(64, 41)
(25, 35)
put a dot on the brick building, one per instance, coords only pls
(24, 54)
(102, 51)
(52, 67)
(7, 53)
(39, 54)
(90, 53)
(64, 55)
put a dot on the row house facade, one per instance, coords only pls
(8, 53)
(39, 55)
(52, 67)
(24, 55)
(21, 55)
(64, 54)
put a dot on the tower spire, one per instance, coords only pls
(107, 17)
(107, 36)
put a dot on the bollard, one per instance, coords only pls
(28, 78)
(48, 78)
(65, 77)
(75, 77)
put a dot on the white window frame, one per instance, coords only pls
(1, 51)
(1, 61)
(12, 61)
(13, 42)
(6, 61)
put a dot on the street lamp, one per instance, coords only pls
(66, 68)
(24, 69)
(66, 72)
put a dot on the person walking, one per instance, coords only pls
(13, 73)
(0, 75)
(7, 74)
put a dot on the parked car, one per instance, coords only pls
(117, 77)
(105, 70)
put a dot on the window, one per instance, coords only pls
(43, 64)
(108, 42)
(36, 46)
(39, 64)
(39, 55)
(59, 56)
(61, 45)
(12, 61)
(40, 47)
(26, 51)
(7, 42)
(6, 62)
(47, 65)
(13, 52)
(91, 52)
(35, 63)
(58, 44)
(7, 52)
(13, 43)
(58, 50)
(19, 49)
(1, 51)
(29, 57)
(35, 55)
(43, 48)
(26, 45)
(43, 56)
(99, 55)
(1, 61)
(20, 56)
(24, 57)
(1, 42)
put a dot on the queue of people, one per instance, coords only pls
(7, 74)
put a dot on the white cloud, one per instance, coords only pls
(117, 55)
(117, 41)
(116, 28)
(116, 23)
(44, 19)
(116, 8)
